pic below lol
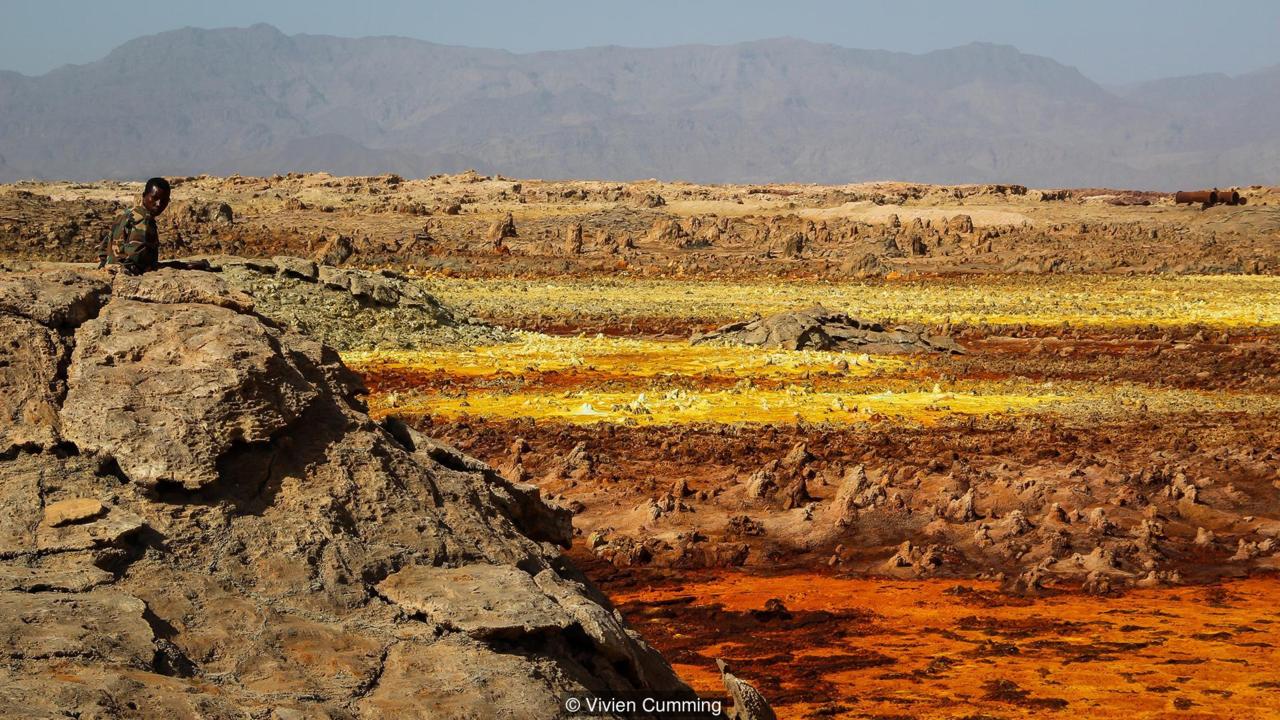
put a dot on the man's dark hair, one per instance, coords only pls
(154, 183)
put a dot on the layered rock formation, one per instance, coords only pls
(198, 519)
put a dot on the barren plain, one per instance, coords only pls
(1076, 511)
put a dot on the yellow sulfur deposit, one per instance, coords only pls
(624, 357)
(1225, 301)
(647, 382)
(680, 406)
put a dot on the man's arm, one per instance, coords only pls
(107, 250)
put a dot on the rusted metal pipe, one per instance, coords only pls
(1207, 198)
(1204, 197)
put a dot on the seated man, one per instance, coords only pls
(134, 243)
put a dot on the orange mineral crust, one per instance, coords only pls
(820, 645)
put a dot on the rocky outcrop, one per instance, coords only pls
(818, 328)
(500, 231)
(167, 389)
(345, 308)
(573, 239)
(301, 268)
(869, 265)
(161, 287)
(198, 519)
(748, 703)
(336, 250)
(57, 300)
(855, 493)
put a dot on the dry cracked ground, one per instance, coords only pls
(890, 450)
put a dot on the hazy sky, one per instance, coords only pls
(1111, 41)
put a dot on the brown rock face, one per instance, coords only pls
(295, 266)
(668, 232)
(501, 230)
(484, 601)
(167, 389)
(30, 390)
(748, 703)
(56, 626)
(573, 239)
(960, 224)
(794, 245)
(210, 526)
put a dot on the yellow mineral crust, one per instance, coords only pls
(655, 382)
(678, 406)
(623, 357)
(1225, 301)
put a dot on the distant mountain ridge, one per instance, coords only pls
(257, 101)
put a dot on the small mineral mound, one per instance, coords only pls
(818, 328)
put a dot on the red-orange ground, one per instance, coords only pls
(856, 648)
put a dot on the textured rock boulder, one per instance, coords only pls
(173, 286)
(484, 601)
(207, 524)
(295, 266)
(166, 390)
(62, 299)
(818, 328)
(336, 250)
